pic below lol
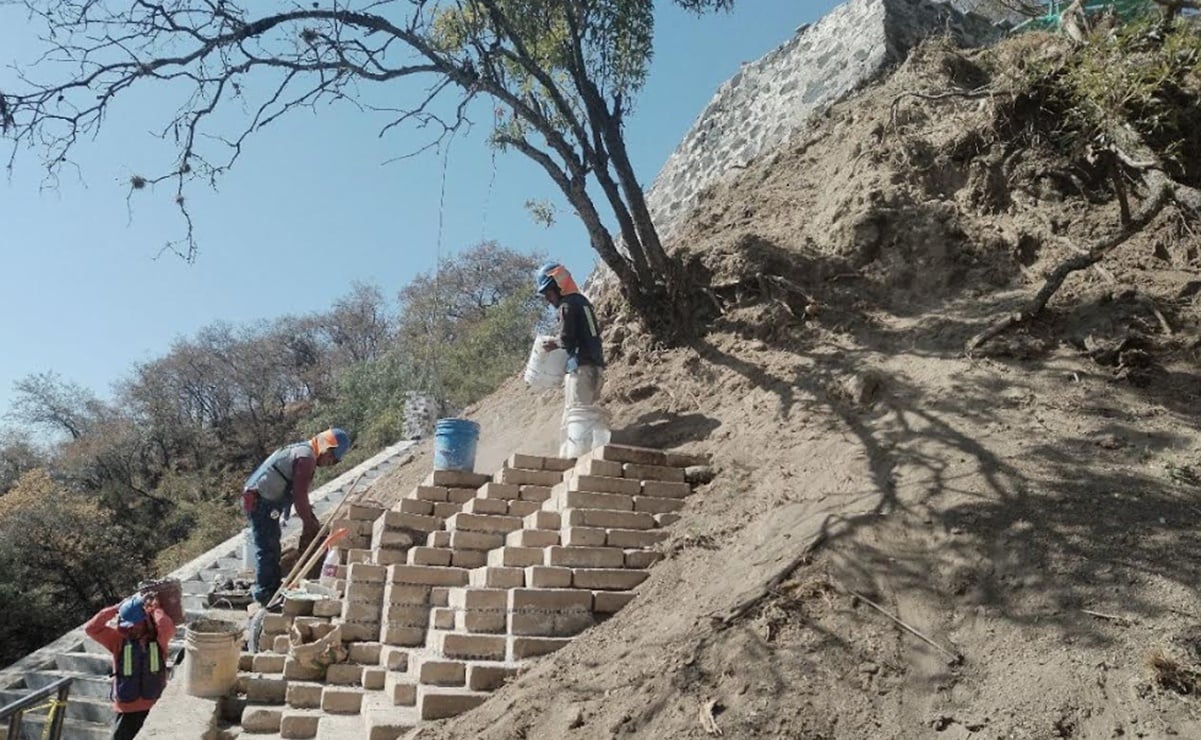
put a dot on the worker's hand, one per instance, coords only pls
(308, 533)
(549, 345)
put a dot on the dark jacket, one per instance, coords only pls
(579, 332)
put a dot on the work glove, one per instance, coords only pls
(308, 534)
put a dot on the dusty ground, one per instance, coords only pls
(1032, 513)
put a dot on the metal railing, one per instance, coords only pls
(56, 710)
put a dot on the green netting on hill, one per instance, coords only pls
(1125, 9)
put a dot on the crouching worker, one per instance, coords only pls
(138, 643)
(279, 483)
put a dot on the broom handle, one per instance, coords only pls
(308, 551)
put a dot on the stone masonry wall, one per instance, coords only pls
(772, 98)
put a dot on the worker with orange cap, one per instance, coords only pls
(279, 483)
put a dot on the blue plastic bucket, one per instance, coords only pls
(454, 444)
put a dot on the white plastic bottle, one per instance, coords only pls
(329, 568)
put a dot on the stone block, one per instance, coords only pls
(398, 520)
(528, 462)
(430, 494)
(532, 538)
(268, 663)
(266, 689)
(393, 634)
(564, 499)
(631, 538)
(515, 557)
(549, 612)
(606, 579)
(685, 459)
(304, 694)
(489, 577)
(486, 506)
(363, 512)
(521, 648)
(414, 506)
(246, 662)
(327, 608)
(442, 702)
(363, 593)
(535, 493)
(478, 598)
(276, 624)
(297, 607)
(468, 558)
(583, 537)
(559, 464)
(407, 616)
(657, 504)
(665, 489)
(357, 556)
(460, 495)
(362, 611)
(629, 454)
(446, 509)
(295, 671)
(543, 520)
(442, 672)
(399, 593)
(652, 472)
(364, 573)
(666, 520)
(360, 631)
(585, 557)
(429, 556)
(341, 700)
(299, 724)
(485, 677)
(588, 465)
(281, 643)
(440, 538)
(394, 658)
(516, 476)
(601, 484)
(506, 491)
(442, 618)
(366, 653)
(610, 602)
(523, 508)
(373, 678)
(261, 719)
(471, 647)
(440, 596)
(456, 479)
(344, 674)
(425, 575)
(546, 576)
(608, 519)
(463, 540)
(483, 523)
(400, 689)
(642, 559)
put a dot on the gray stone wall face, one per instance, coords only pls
(770, 99)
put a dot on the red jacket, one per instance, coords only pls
(111, 638)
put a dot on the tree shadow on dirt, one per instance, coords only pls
(665, 430)
(1066, 529)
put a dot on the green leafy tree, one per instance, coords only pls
(562, 76)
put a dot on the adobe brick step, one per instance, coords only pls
(629, 454)
(400, 689)
(438, 702)
(610, 602)
(584, 557)
(606, 579)
(478, 610)
(497, 577)
(486, 506)
(607, 519)
(422, 575)
(433, 670)
(466, 646)
(548, 612)
(521, 648)
(524, 477)
(382, 720)
(258, 718)
(490, 676)
(532, 538)
(483, 523)
(341, 699)
(456, 479)
(445, 556)
(516, 557)
(300, 723)
(304, 694)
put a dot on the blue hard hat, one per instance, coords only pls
(343, 443)
(131, 612)
(543, 279)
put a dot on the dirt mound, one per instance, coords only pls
(903, 542)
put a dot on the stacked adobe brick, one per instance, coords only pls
(458, 591)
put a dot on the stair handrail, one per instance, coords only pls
(15, 711)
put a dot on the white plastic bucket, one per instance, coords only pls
(211, 657)
(545, 369)
(586, 430)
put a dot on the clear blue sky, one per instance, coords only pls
(309, 208)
